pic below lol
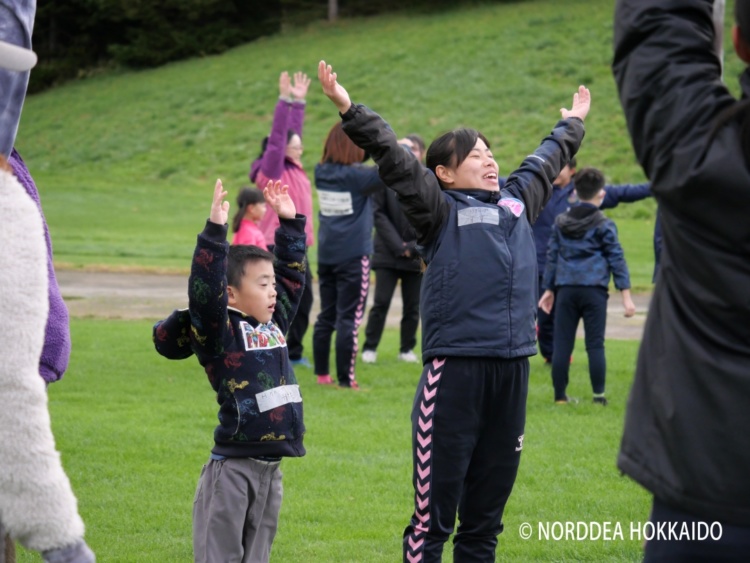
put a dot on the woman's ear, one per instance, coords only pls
(444, 174)
(740, 45)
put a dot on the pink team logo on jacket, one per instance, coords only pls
(514, 205)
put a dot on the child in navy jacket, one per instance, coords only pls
(242, 300)
(583, 251)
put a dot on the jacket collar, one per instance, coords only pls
(484, 196)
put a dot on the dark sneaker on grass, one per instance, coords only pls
(601, 401)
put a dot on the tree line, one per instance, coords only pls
(76, 38)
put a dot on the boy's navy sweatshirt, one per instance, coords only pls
(247, 363)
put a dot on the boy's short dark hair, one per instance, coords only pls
(589, 181)
(241, 254)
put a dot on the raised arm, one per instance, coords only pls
(532, 181)
(624, 193)
(207, 285)
(299, 92)
(417, 188)
(668, 74)
(289, 250)
(272, 162)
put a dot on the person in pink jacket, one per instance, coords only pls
(251, 208)
(280, 160)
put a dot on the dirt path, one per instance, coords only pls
(153, 296)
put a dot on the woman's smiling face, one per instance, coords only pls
(477, 171)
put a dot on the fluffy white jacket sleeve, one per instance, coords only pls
(37, 505)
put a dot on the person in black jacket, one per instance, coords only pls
(478, 307)
(395, 258)
(686, 434)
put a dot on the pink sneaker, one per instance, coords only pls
(325, 380)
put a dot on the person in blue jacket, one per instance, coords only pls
(563, 196)
(345, 223)
(583, 252)
(478, 307)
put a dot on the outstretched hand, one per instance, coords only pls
(219, 207)
(581, 104)
(331, 88)
(277, 196)
(301, 84)
(285, 85)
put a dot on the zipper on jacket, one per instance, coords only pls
(510, 289)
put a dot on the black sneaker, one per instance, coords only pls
(601, 401)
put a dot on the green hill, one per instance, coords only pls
(126, 161)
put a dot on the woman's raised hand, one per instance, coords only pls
(285, 85)
(301, 84)
(331, 88)
(581, 104)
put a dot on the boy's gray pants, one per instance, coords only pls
(236, 510)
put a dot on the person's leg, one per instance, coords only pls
(411, 283)
(325, 323)
(221, 500)
(445, 424)
(385, 284)
(545, 325)
(703, 547)
(566, 324)
(494, 462)
(353, 284)
(301, 320)
(594, 313)
(263, 515)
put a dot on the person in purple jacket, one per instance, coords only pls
(17, 22)
(38, 506)
(281, 160)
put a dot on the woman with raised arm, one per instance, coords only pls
(478, 312)
(281, 160)
(686, 434)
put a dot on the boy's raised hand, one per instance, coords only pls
(277, 196)
(219, 207)
(581, 104)
(301, 84)
(332, 88)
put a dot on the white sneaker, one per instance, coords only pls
(409, 356)
(369, 356)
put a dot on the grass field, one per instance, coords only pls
(134, 430)
(126, 161)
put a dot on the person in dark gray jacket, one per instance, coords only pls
(395, 259)
(478, 306)
(686, 435)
